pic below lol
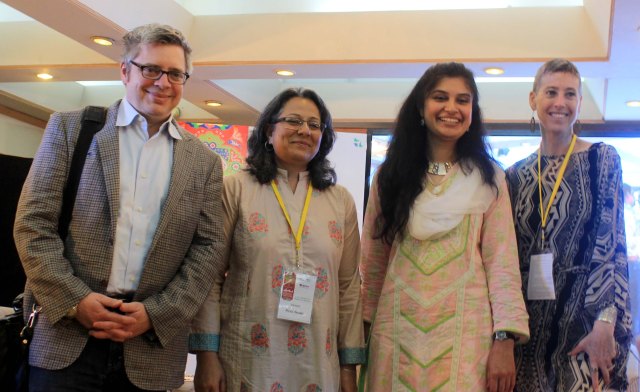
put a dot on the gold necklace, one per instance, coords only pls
(439, 168)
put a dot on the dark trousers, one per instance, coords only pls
(99, 368)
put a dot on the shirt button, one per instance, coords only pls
(143, 175)
(138, 243)
(139, 209)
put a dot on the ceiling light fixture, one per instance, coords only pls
(633, 104)
(214, 104)
(285, 72)
(494, 71)
(104, 41)
(44, 76)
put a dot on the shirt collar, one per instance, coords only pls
(285, 174)
(127, 114)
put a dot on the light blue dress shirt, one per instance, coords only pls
(145, 174)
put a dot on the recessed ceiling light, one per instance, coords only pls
(285, 72)
(45, 76)
(214, 104)
(104, 41)
(633, 104)
(494, 71)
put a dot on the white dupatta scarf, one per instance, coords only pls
(435, 215)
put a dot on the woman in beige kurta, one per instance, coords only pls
(238, 333)
(441, 284)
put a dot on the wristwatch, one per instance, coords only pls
(71, 313)
(504, 335)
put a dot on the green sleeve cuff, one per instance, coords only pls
(204, 342)
(352, 356)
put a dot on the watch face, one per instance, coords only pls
(500, 335)
(503, 335)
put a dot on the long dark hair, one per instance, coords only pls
(401, 175)
(262, 161)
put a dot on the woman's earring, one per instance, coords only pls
(268, 146)
(577, 127)
(422, 122)
(532, 124)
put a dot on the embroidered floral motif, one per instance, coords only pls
(313, 388)
(276, 278)
(297, 339)
(259, 339)
(276, 387)
(335, 232)
(327, 344)
(244, 387)
(322, 283)
(257, 225)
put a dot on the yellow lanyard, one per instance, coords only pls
(303, 217)
(545, 214)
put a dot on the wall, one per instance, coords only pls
(18, 138)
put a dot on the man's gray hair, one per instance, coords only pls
(154, 33)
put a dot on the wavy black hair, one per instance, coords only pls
(401, 175)
(261, 162)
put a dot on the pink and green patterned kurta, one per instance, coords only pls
(436, 303)
(259, 352)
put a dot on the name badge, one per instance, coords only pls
(541, 285)
(296, 296)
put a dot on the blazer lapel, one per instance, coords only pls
(182, 165)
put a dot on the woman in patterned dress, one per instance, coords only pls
(580, 329)
(441, 285)
(244, 338)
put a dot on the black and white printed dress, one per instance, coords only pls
(585, 232)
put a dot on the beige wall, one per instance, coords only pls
(18, 138)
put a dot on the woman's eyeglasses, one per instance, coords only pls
(295, 124)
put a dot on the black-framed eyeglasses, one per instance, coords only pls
(295, 124)
(153, 72)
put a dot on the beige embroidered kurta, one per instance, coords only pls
(258, 351)
(436, 302)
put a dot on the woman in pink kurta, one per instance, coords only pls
(441, 285)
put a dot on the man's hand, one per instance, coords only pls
(132, 311)
(97, 309)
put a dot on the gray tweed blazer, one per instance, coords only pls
(179, 269)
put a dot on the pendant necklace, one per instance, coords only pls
(439, 168)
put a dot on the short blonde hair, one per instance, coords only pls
(553, 66)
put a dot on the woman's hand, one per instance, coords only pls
(600, 347)
(348, 378)
(501, 367)
(209, 373)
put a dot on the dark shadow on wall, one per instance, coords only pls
(13, 172)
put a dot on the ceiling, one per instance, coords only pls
(363, 62)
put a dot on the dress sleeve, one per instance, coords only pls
(608, 282)
(500, 260)
(350, 333)
(205, 326)
(375, 256)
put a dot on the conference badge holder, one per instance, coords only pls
(541, 286)
(296, 295)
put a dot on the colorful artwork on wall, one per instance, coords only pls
(228, 141)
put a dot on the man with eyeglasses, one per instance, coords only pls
(145, 238)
